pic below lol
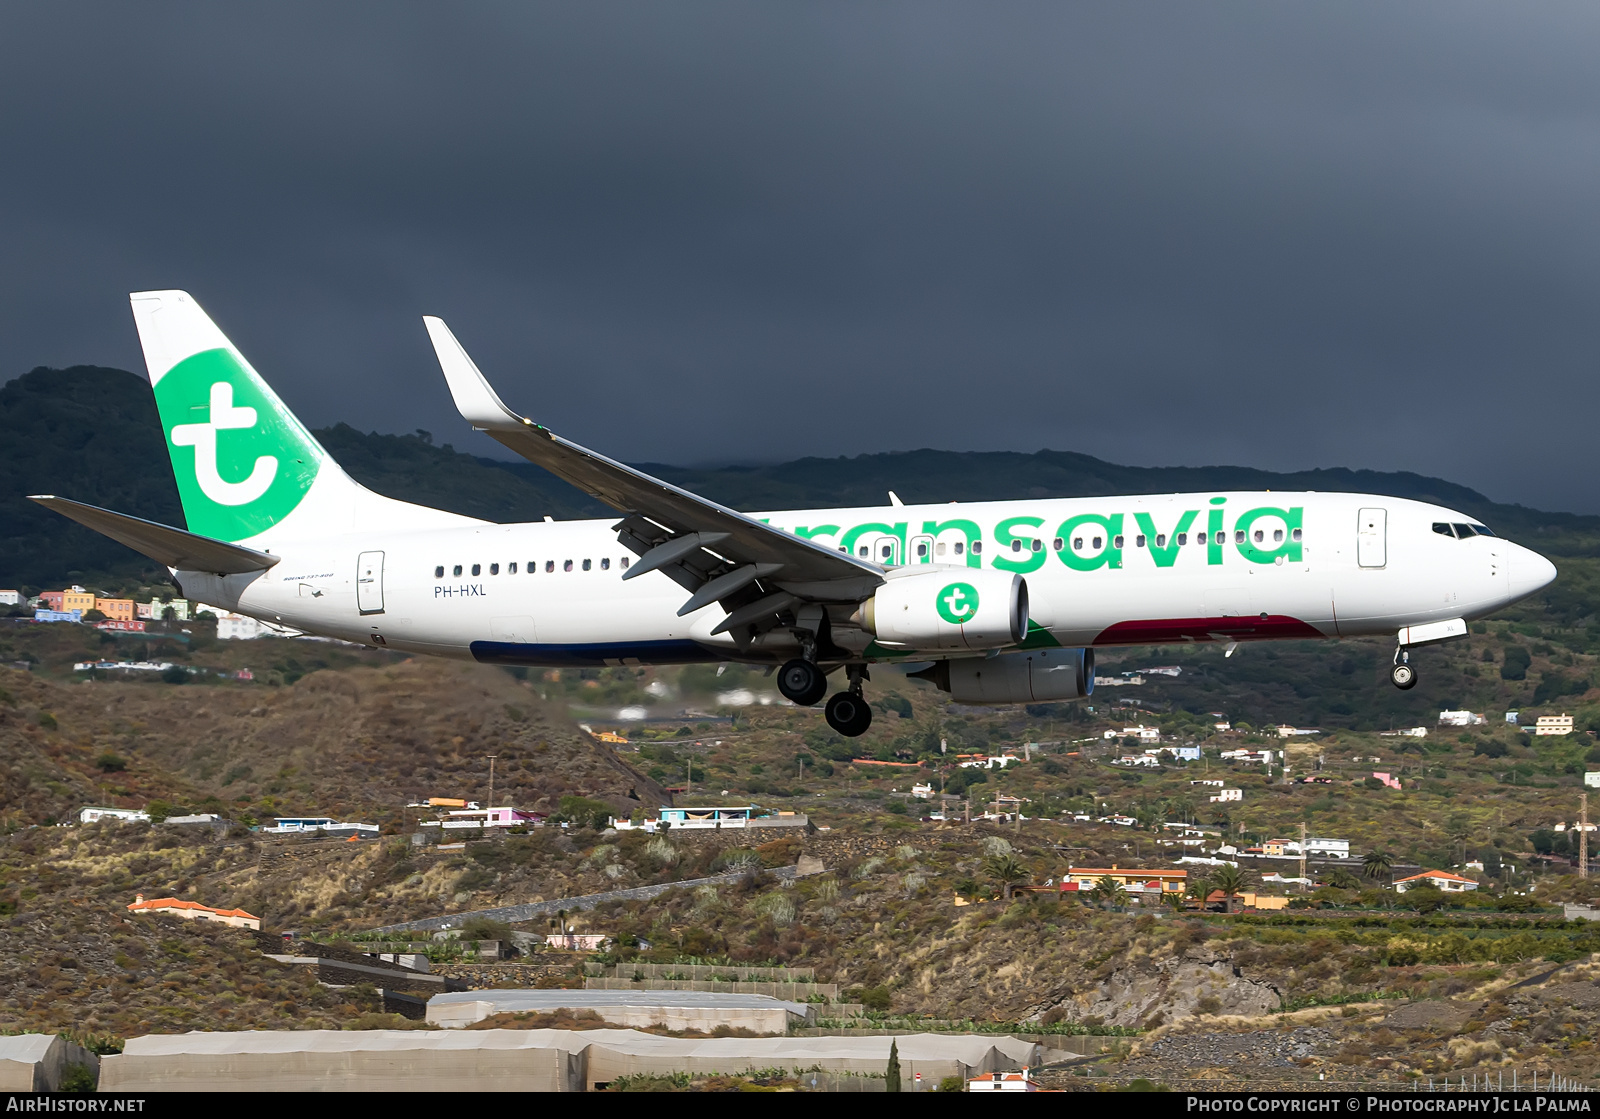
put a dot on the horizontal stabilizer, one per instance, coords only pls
(168, 546)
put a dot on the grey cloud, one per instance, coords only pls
(1275, 235)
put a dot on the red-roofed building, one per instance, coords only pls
(194, 911)
(1439, 879)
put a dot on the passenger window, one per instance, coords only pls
(477, 569)
(922, 551)
(938, 549)
(1138, 541)
(438, 572)
(494, 569)
(958, 546)
(1058, 543)
(1442, 529)
(605, 564)
(457, 569)
(1161, 540)
(977, 547)
(1183, 538)
(550, 565)
(586, 565)
(1277, 536)
(1096, 543)
(888, 550)
(1238, 536)
(1294, 534)
(1116, 542)
(865, 550)
(566, 565)
(1038, 545)
(1077, 543)
(512, 570)
(623, 563)
(1199, 538)
(1016, 545)
(1259, 536)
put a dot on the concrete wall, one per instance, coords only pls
(773, 1020)
(37, 1062)
(401, 1070)
(793, 992)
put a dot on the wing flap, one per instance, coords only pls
(168, 546)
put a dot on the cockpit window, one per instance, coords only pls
(1460, 531)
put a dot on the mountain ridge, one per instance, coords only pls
(92, 433)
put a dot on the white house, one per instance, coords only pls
(1224, 795)
(10, 598)
(1286, 731)
(90, 815)
(1553, 724)
(1408, 732)
(1592, 779)
(1183, 753)
(1328, 848)
(1149, 761)
(922, 792)
(237, 627)
(1460, 719)
(290, 825)
(1440, 879)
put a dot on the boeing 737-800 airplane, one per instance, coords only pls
(1007, 599)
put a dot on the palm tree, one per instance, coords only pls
(1342, 879)
(1376, 864)
(1198, 890)
(1173, 900)
(1230, 880)
(1108, 893)
(1006, 870)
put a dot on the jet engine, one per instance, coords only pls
(1034, 676)
(948, 609)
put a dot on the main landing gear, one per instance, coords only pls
(803, 683)
(1402, 675)
(848, 712)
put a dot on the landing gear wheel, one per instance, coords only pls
(848, 714)
(802, 682)
(1403, 676)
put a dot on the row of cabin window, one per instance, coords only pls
(1259, 536)
(533, 566)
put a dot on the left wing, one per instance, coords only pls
(756, 572)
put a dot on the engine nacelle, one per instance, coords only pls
(948, 609)
(1034, 676)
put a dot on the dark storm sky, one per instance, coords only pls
(1283, 235)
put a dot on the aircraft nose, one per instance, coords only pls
(1529, 571)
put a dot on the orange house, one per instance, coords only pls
(118, 609)
(194, 911)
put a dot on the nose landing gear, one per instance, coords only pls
(1402, 675)
(848, 712)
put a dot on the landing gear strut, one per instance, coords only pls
(802, 682)
(1402, 675)
(848, 712)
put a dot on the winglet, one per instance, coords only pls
(475, 398)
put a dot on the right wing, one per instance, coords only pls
(168, 546)
(755, 571)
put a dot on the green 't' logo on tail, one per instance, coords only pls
(242, 461)
(958, 603)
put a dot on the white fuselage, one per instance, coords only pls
(1099, 571)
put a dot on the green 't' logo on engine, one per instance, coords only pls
(958, 603)
(242, 461)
